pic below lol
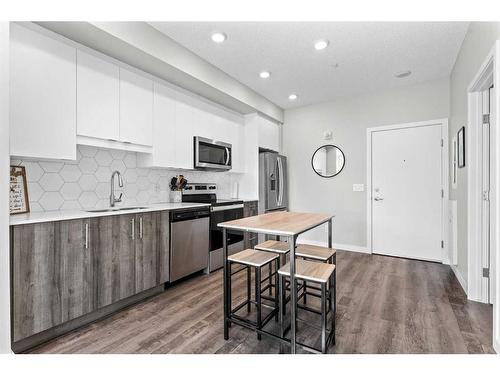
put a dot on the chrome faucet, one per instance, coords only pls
(112, 198)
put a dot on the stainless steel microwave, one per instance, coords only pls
(210, 154)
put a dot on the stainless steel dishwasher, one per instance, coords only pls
(189, 241)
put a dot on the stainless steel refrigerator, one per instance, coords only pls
(273, 188)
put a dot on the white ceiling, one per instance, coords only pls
(368, 54)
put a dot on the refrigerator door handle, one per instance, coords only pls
(280, 164)
(278, 182)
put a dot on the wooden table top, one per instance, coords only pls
(279, 223)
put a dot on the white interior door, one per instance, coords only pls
(407, 192)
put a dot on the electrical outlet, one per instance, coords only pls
(358, 187)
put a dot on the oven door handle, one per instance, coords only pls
(225, 208)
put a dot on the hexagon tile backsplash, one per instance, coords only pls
(85, 183)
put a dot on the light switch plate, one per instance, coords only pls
(358, 187)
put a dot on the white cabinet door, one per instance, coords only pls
(184, 118)
(42, 96)
(136, 108)
(238, 142)
(98, 97)
(203, 124)
(269, 135)
(163, 127)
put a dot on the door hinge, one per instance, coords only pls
(442, 193)
(486, 272)
(486, 119)
(442, 244)
(442, 142)
(486, 195)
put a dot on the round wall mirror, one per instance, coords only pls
(328, 161)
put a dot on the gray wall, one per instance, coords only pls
(348, 119)
(477, 44)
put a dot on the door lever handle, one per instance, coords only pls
(378, 199)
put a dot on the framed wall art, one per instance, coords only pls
(18, 200)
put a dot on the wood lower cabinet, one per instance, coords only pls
(250, 208)
(52, 268)
(146, 251)
(163, 247)
(66, 269)
(114, 249)
(78, 293)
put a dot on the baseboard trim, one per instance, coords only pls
(338, 246)
(459, 277)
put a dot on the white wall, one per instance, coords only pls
(4, 190)
(478, 42)
(348, 119)
(475, 47)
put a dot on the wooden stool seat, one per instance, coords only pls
(254, 258)
(314, 252)
(310, 271)
(273, 246)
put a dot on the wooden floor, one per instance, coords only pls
(385, 305)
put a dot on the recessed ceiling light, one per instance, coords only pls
(402, 74)
(292, 97)
(321, 44)
(264, 74)
(219, 37)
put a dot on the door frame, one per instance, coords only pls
(487, 75)
(443, 122)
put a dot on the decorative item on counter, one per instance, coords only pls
(177, 184)
(19, 202)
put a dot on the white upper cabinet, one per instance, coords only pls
(163, 153)
(136, 108)
(98, 97)
(184, 120)
(269, 134)
(42, 96)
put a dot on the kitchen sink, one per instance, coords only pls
(116, 209)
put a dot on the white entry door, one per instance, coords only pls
(407, 192)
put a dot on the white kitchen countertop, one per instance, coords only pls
(41, 217)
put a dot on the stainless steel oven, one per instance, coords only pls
(220, 210)
(210, 154)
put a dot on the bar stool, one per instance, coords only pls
(307, 252)
(275, 247)
(321, 273)
(318, 254)
(255, 259)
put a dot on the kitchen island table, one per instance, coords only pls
(283, 224)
